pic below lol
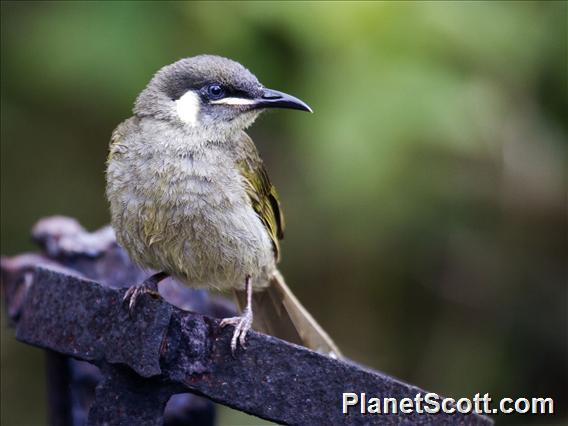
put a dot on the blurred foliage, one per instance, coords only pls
(425, 199)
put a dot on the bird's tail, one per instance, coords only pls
(279, 313)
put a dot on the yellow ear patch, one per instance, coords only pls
(188, 108)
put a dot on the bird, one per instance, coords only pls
(190, 197)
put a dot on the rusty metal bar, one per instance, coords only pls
(163, 351)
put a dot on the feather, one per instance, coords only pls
(276, 310)
(262, 193)
(279, 313)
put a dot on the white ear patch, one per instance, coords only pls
(188, 107)
(233, 101)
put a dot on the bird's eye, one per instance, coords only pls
(215, 91)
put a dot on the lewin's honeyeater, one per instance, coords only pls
(189, 195)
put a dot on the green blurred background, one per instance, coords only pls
(425, 198)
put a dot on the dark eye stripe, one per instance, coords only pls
(176, 91)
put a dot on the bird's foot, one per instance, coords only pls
(242, 325)
(149, 286)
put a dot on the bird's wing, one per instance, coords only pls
(116, 146)
(276, 310)
(262, 193)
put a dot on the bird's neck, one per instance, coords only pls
(210, 135)
(214, 130)
(167, 139)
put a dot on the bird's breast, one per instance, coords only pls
(188, 213)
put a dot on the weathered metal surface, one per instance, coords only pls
(97, 329)
(67, 247)
(180, 351)
(162, 351)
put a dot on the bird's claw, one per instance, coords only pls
(242, 325)
(133, 293)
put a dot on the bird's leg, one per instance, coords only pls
(243, 323)
(149, 286)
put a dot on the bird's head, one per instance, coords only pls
(210, 92)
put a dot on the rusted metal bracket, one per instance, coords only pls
(161, 350)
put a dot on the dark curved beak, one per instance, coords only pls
(275, 99)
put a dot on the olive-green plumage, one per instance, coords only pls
(190, 197)
(263, 196)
